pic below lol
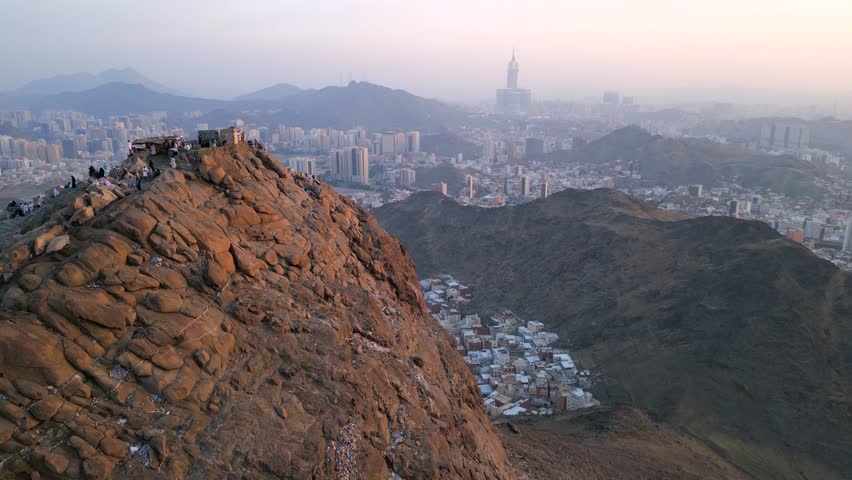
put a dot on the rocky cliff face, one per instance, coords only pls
(231, 320)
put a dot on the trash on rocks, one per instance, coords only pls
(345, 449)
(118, 373)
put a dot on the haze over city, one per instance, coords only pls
(661, 49)
(474, 240)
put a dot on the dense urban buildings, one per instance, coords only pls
(517, 367)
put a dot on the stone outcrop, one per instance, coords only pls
(232, 321)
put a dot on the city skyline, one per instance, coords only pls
(785, 52)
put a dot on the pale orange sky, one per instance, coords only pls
(449, 49)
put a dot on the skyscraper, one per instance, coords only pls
(513, 99)
(350, 165)
(360, 165)
(440, 187)
(339, 165)
(847, 239)
(734, 208)
(512, 73)
(69, 149)
(412, 142)
(470, 186)
(398, 144)
(545, 186)
(388, 143)
(525, 185)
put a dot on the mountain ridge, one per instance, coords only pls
(276, 92)
(77, 82)
(371, 106)
(680, 161)
(232, 318)
(707, 323)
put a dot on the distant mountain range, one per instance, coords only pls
(369, 105)
(78, 82)
(358, 104)
(672, 162)
(122, 99)
(276, 92)
(716, 325)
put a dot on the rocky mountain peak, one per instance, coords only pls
(232, 319)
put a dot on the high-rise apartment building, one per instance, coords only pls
(398, 143)
(412, 142)
(405, 177)
(304, 165)
(350, 165)
(388, 143)
(525, 185)
(847, 239)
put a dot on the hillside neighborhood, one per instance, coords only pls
(516, 364)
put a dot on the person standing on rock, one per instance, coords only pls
(73, 181)
(129, 148)
(101, 173)
(173, 163)
(91, 170)
(145, 171)
(151, 163)
(139, 184)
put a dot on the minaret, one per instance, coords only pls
(512, 74)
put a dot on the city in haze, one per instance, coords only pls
(359, 239)
(668, 50)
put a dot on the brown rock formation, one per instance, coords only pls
(253, 325)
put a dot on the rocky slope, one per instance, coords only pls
(231, 320)
(605, 443)
(716, 325)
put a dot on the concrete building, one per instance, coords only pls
(398, 144)
(388, 143)
(412, 142)
(776, 136)
(350, 165)
(734, 208)
(796, 235)
(696, 190)
(304, 165)
(405, 177)
(611, 98)
(847, 239)
(440, 187)
(525, 185)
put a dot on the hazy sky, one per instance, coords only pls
(452, 49)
